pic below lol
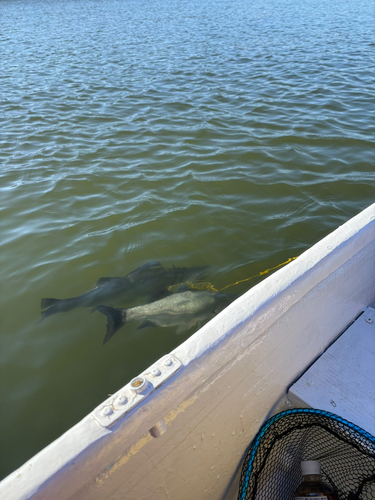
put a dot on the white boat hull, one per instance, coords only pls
(234, 372)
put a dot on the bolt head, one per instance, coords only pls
(122, 400)
(107, 411)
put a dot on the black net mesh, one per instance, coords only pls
(272, 466)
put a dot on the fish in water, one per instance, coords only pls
(184, 309)
(150, 280)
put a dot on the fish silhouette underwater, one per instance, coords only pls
(151, 280)
(183, 309)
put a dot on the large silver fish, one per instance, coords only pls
(151, 280)
(184, 309)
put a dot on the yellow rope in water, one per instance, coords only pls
(206, 285)
(261, 273)
(203, 285)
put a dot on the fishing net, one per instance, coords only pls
(272, 466)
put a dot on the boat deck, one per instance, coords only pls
(341, 380)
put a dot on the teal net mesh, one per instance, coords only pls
(272, 465)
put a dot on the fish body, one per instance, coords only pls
(150, 280)
(184, 309)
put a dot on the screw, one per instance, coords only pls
(107, 411)
(122, 400)
(168, 362)
(155, 372)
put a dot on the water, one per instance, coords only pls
(234, 133)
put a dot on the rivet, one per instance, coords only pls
(213, 434)
(138, 384)
(155, 372)
(168, 362)
(107, 411)
(369, 320)
(122, 400)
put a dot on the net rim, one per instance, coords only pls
(265, 427)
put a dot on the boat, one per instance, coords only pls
(181, 428)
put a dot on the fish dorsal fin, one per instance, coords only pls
(104, 281)
(146, 324)
(141, 271)
(150, 265)
(153, 263)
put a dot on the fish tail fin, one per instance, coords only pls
(53, 307)
(116, 318)
(48, 303)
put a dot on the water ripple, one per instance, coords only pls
(234, 134)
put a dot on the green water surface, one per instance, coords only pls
(231, 133)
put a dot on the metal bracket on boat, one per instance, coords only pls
(129, 396)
